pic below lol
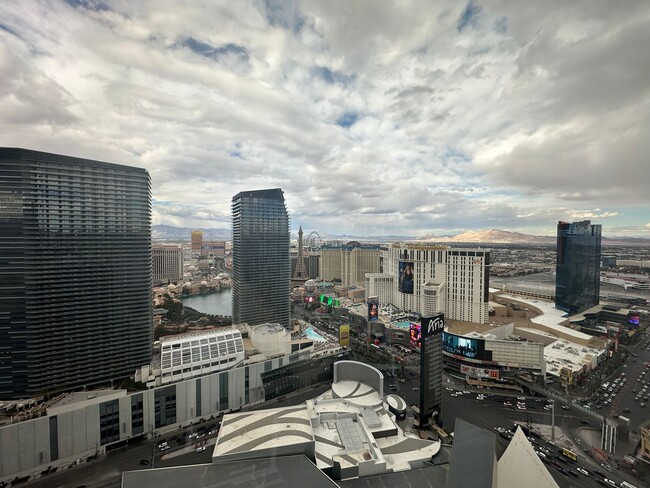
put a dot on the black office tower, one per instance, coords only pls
(75, 272)
(577, 280)
(430, 341)
(261, 271)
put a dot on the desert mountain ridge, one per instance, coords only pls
(490, 236)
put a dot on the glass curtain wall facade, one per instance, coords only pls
(577, 281)
(261, 265)
(75, 272)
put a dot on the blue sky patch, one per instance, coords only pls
(212, 52)
(347, 120)
(469, 16)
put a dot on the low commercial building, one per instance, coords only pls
(497, 356)
(79, 426)
(347, 432)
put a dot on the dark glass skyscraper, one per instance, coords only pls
(261, 264)
(577, 280)
(75, 272)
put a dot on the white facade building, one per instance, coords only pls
(191, 355)
(167, 263)
(428, 279)
(380, 285)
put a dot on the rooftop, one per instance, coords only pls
(550, 317)
(281, 471)
(346, 427)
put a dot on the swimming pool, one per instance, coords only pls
(402, 325)
(313, 335)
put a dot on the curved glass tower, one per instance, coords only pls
(75, 272)
(577, 278)
(261, 264)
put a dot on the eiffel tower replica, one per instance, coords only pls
(300, 272)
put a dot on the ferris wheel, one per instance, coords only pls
(314, 240)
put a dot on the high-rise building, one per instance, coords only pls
(75, 272)
(430, 279)
(261, 271)
(213, 249)
(348, 263)
(167, 263)
(577, 278)
(428, 337)
(197, 241)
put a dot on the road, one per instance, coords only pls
(626, 396)
(491, 413)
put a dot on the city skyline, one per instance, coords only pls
(400, 120)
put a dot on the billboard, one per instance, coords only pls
(329, 300)
(344, 335)
(633, 319)
(406, 272)
(479, 372)
(373, 309)
(566, 376)
(463, 346)
(416, 335)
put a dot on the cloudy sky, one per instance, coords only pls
(375, 117)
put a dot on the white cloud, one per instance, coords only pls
(375, 118)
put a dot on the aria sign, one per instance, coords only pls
(433, 325)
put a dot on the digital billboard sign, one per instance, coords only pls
(329, 300)
(479, 372)
(633, 319)
(416, 335)
(344, 335)
(406, 272)
(463, 346)
(373, 309)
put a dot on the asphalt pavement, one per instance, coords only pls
(491, 413)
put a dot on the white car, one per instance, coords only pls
(200, 449)
(583, 471)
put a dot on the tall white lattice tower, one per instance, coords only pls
(300, 272)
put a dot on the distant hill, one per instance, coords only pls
(496, 236)
(491, 236)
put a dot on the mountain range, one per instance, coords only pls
(491, 236)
